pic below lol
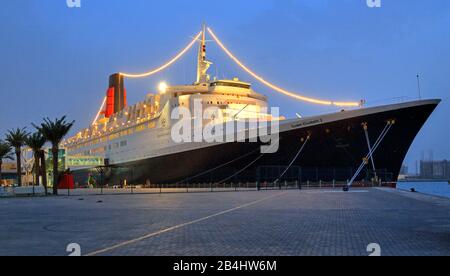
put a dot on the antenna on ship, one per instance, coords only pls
(202, 64)
(418, 87)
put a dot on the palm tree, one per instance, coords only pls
(35, 142)
(54, 132)
(16, 138)
(5, 153)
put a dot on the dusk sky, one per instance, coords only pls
(56, 60)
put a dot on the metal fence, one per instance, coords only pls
(319, 174)
(268, 178)
(212, 188)
(186, 188)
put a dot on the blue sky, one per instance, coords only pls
(333, 49)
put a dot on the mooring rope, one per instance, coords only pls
(249, 165)
(218, 167)
(383, 134)
(293, 160)
(366, 132)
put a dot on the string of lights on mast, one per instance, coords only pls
(202, 77)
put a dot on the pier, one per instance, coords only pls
(253, 223)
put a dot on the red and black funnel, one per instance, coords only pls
(116, 95)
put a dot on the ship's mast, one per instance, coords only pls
(202, 64)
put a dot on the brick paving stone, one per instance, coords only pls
(295, 223)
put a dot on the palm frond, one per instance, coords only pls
(54, 131)
(35, 141)
(5, 151)
(16, 137)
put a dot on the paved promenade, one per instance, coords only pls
(266, 223)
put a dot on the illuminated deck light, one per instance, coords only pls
(172, 61)
(162, 87)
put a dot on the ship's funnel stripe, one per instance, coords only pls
(276, 88)
(172, 61)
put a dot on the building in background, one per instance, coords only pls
(404, 174)
(404, 170)
(9, 174)
(435, 169)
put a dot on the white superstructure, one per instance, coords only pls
(143, 130)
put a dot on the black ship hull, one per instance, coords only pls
(334, 152)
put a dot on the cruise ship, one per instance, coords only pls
(135, 143)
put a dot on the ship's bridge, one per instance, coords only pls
(231, 88)
(232, 97)
(235, 87)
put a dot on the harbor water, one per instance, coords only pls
(430, 188)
